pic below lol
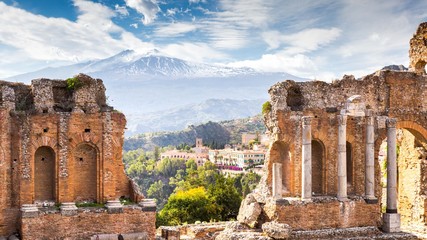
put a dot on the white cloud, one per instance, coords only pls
(230, 27)
(92, 35)
(196, 52)
(171, 11)
(296, 64)
(304, 41)
(174, 29)
(148, 8)
(121, 10)
(196, 1)
(134, 25)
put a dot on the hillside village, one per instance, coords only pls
(250, 152)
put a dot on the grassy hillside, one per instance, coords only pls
(216, 134)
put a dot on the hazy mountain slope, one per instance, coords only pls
(219, 133)
(209, 110)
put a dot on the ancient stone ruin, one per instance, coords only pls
(418, 50)
(334, 144)
(347, 158)
(61, 144)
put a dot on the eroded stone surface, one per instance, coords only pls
(418, 50)
(249, 211)
(277, 230)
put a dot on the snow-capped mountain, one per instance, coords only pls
(133, 65)
(140, 83)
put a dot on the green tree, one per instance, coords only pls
(156, 153)
(249, 181)
(156, 190)
(225, 197)
(187, 207)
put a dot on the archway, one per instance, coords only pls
(85, 173)
(295, 99)
(411, 165)
(412, 174)
(349, 163)
(420, 67)
(44, 174)
(279, 153)
(317, 169)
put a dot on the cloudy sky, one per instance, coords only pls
(308, 38)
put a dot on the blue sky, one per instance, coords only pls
(308, 38)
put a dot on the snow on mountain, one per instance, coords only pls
(130, 64)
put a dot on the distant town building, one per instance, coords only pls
(262, 138)
(199, 153)
(236, 158)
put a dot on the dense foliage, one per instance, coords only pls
(184, 192)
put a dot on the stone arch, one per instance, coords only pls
(85, 168)
(44, 141)
(318, 166)
(44, 174)
(280, 153)
(412, 171)
(420, 67)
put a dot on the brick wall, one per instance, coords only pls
(88, 223)
(326, 213)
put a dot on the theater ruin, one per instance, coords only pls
(61, 145)
(348, 157)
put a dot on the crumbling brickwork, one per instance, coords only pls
(59, 144)
(418, 50)
(88, 223)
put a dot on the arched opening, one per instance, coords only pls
(44, 174)
(85, 170)
(295, 99)
(317, 169)
(411, 178)
(420, 67)
(411, 166)
(349, 159)
(279, 153)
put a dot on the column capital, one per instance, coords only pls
(342, 119)
(306, 120)
(391, 122)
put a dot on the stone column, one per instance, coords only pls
(391, 217)
(342, 157)
(369, 161)
(306, 158)
(277, 180)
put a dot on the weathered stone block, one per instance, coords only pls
(277, 230)
(68, 209)
(249, 211)
(29, 211)
(114, 206)
(170, 233)
(148, 205)
(391, 222)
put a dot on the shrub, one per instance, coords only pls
(73, 83)
(266, 108)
